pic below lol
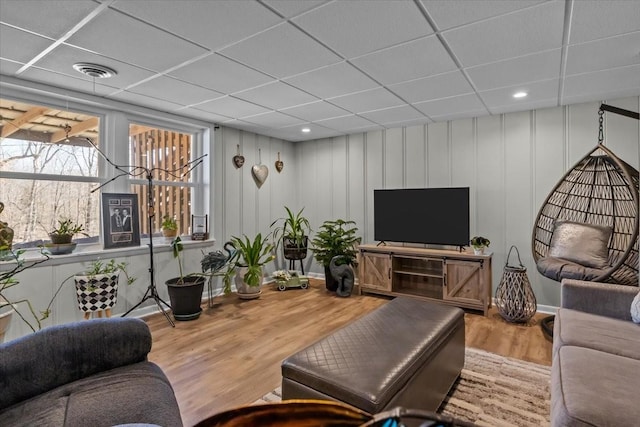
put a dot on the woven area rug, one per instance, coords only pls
(492, 391)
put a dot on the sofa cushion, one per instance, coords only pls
(593, 388)
(558, 269)
(635, 309)
(584, 244)
(109, 398)
(577, 328)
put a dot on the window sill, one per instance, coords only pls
(93, 251)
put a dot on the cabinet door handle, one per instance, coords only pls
(389, 273)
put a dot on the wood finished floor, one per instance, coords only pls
(231, 355)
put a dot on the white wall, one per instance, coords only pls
(510, 162)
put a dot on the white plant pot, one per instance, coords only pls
(245, 291)
(478, 251)
(98, 292)
(5, 319)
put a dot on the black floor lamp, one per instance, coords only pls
(147, 172)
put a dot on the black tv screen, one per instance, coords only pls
(438, 216)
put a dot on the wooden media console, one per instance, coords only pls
(451, 277)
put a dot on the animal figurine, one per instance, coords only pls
(343, 274)
(214, 261)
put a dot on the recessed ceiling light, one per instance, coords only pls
(306, 130)
(520, 94)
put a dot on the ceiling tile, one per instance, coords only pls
(66, 81)
(614, 83)
(346, 123)
(527, 31)
(440, 86)
(281, 52)
(212, 24)
(393, 115)
(62, 58)
(592, 20)
(602, 54)
(534, 67)
(288, 8)
(219, 73)
(41, 17)
(456, 106)
(316, 111)
(153, 49)
(273, 119)
(497, 99)
(146, 101)
(203, 115)
(452, 13)
(232, 107)
(276, 95)
(412, 60)
(354, 28)
(18, 45)
(177, 91)
(246, 126)
(9, 68)
(368, 100)
(334, 80)
(293, 133)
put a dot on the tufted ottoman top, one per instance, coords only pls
(368, 361)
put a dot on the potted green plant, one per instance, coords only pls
(246, 264)
(292, 233)
(185, 291)
(335, 238)
(479, 243)
(10, 307)
(97, 286)
(169, 226)
(62, 235)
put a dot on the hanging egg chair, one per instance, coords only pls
(587, 228)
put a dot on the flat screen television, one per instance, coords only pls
(438, 216)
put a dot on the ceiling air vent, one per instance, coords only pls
(94, 70)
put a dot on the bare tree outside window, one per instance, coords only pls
(47, 170)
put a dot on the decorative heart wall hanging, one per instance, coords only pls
(238, 159)
(259, 171)
(279, 164)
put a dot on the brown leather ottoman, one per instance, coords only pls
(406, 353)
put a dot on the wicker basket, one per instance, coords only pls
(515, 300)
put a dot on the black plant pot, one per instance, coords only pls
(186, 297)
(292, 251)
(330, 282)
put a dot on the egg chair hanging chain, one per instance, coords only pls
(600, 126)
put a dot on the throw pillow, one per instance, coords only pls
(584, 244)
(635, 309)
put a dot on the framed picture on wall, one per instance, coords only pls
(120, 220)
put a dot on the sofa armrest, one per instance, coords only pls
(58, 355)
(604, 299)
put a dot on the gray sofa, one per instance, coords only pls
(596, 356)
(90, 373)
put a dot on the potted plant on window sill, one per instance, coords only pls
(169, 226)
(185, 291)
(479, 243)
(335, 238)
(293, 235)
(62, 235)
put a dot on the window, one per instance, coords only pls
(168, 155)
(47, 170)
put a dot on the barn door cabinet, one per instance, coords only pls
(451, 277)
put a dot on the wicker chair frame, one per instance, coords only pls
(600, 189)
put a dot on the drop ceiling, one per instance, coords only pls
(337, 67)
